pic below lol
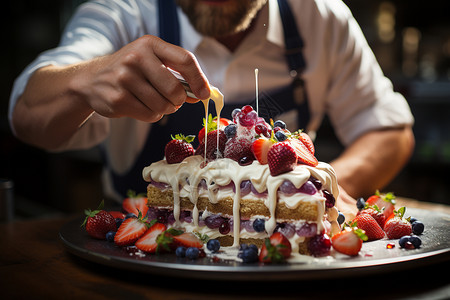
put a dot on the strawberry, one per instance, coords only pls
(212, 125)
(130, 231)
(306, 140)
(260, 149)
(117, 214)
(275, 249)
(385, 202)
(98, 222)
(349, 241)
(367, 223)
(397, 226)
(135, 204)
(239, 148)
(179, 148)
(376, 213)
(281, 158)
(211, 148)
(152, 240)
(304, 156)
(188, 239)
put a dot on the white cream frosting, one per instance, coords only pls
(221, 172)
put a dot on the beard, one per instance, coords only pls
(222, 19)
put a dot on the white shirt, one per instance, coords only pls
(343, 78)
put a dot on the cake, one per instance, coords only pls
(248, 170)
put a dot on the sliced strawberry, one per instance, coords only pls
(281, 158)
(367, 223)
(130, 231)
(188, 239)
(275, 249)
(349, 241)
(385, 202)
(397, 226)
(260, 149)
(150, 241)
(306, 140)
(179, 148)
(304, 156)
(135, 204)
(117, 214)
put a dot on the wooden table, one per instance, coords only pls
(34, 264)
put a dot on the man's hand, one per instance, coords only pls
(132, 82)
(135, 82)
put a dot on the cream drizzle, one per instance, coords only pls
(223, 171)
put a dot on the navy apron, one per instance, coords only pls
(187, 120)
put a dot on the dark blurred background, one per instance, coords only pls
(410, 38)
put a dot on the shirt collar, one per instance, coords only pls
(191, 39)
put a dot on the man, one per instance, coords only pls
(108, 81)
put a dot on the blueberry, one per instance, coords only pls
(341, 218)
(416, 241)
(279, 123)
(259, 225)
(249, 255)
(417, 227)
(360, 203)
(403, 240)
(281, 136)
(213, 245)
(119, 222)
(130, 215)
(230, 130)
(412, 220)
(180, 251)
(235, 112)
(110, 236)
(192, 253)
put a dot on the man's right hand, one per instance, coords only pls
(135, 82)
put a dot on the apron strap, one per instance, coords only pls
(168, 22)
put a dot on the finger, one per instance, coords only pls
(185, 63)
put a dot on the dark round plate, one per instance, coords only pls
(374, 257)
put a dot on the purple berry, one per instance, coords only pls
(249, 119)
(316, 182)
(214, 221)
(319, 245)
(288, 230)
(308, 188)
(246, 187)
(235, 112)
(307, 230)
(330, 201)
(288, 188)
(247, 225)
(224, 228)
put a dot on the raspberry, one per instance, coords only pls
(237, 148)
(319, 245)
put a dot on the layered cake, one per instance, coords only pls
(246, 180)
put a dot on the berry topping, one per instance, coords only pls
(179, 148)
(211, 126)
(260, 149)
(281, 158)
(330, 200)
(230, 130)
(385, 202)
(279, 123)
(237, 148)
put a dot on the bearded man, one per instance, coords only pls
(108, 83)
